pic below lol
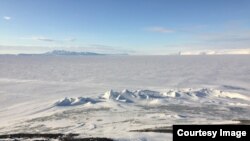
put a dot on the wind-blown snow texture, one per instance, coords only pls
(70, 94)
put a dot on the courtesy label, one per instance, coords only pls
(211, 132)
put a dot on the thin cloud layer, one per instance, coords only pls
(47, 39)
(7, 18)
(43, 39)
(160, 29)
(70, 39)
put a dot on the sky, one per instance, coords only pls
(123, 26)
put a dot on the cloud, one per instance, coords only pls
(45, 39)
(110, 49)
(233, 32)
(7, 18)
(70, 39)
(16, 49)
(160, 29)
(193, 29)
(226, 37)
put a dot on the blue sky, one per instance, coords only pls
(123, 26)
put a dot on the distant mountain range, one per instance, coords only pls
(68, 53)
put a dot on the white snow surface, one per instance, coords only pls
(107, 96)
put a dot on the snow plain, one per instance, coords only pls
(108, 96)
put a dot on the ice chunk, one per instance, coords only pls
(75, 101)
